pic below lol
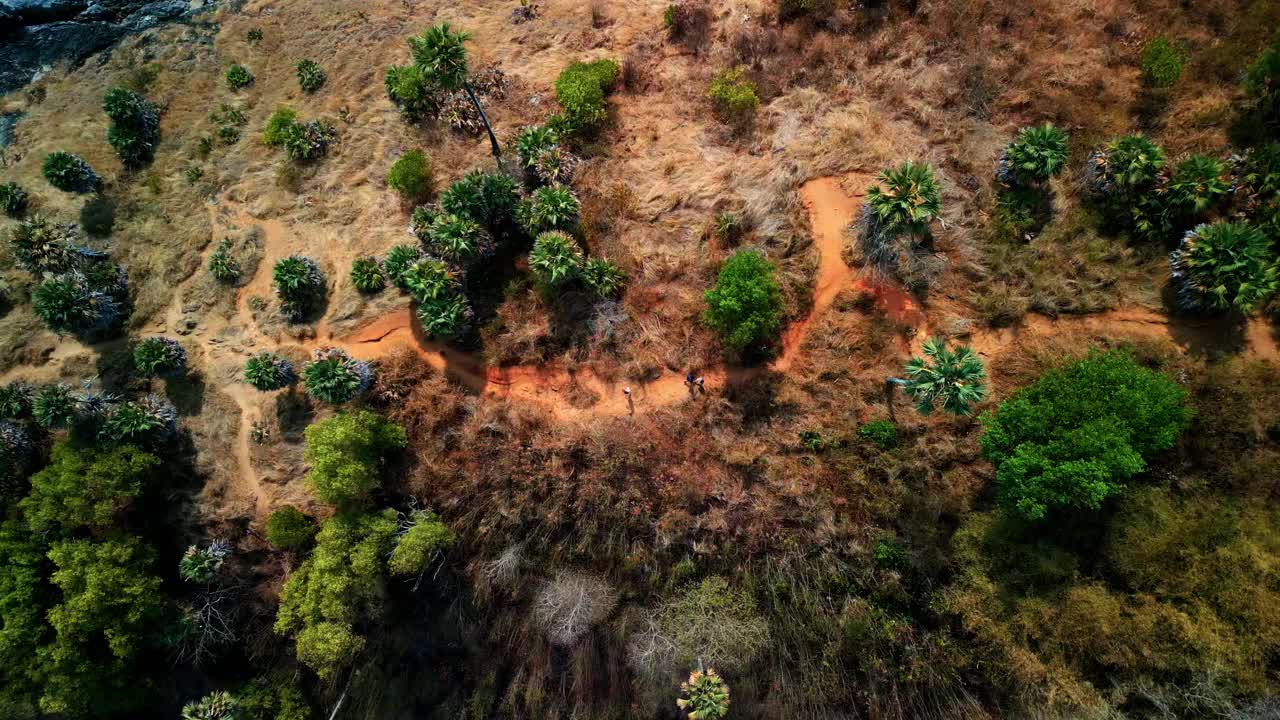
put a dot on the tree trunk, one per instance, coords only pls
(889, 395)
(493, 140)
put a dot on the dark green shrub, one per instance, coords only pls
(304, 141)
(55, 406)
(488, 198)
(1038, 154)
(222, 266)
(704, 696)
(581, 90)
(238, 76)
(367, 275)
(551, 208)
(347, 453)
(446, 315)
(1199, 184)
(15, 400)
(13, 199)
(459, 240)
(745, 306)
(98, 216)
(1129, 164)
(1162, 62)
(278, 126)
(1225, 267)
(228, 135)
(289, 529)
(533, 141)
(254, 36)
(147, 423)
(299, 285)
(602, 277)
(729, 227)
(193, 174)
(159, 357)
(905, 199)
(412, 92)
(884, 433)
(335, 377)
(69, 173)
(1072, 439)
(267, 371)
(201, 565)
(310, 75)
(733, 96)
(555, 259)
(412, 176)
(398, 261)
(1262, 84)
(43, 248)
(135, 126)
(421, 219)
(71, 304)
(953, 380)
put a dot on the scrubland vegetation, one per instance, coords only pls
(947, 331)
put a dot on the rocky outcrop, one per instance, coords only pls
(34, 34)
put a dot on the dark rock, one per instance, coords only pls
(39, 33)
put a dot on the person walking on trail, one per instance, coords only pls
(631, 406)
(701, 386)
(690, 383)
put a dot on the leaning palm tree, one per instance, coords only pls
(441, 53)
(953, 380)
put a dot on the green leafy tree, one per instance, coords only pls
(135, 126)
(1162, 62)
(555, 259)
(441, 54)
(13, 199)
(238, 76)
(55, 406)
(551, 208)
(1262, 84)
(218, 705)
(603, 277)
(367, 275)
(299, 285)
(1072, 439)
(905, 199)
(1225, 266)
(109, 603)
(1039, 153)
(311, 76)
(273, 698)
(733, 96)
(267, 371)
(953, 380)
(339, 586)
(582, 89)
(86, 486)
(159, 357)
(412, 176)
(422, 536)
(745, 306)
(347, 453)
(23, 603)
(335, 377)
(69, 173)
(705, 696)
(289, 529)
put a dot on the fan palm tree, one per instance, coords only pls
(442, 53)
(951, 379)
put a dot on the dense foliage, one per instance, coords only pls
(953, 380)
(733, 96)
(458, 239)
(704, 696)
(311, 76)
(69, 172)
(553, 207)
(334, 377)
(1262, 84)
(1162, 62)
(555, 259)
(905, 199)
(1225, 266)
(268, 371)
(745, 306)
(367, 275)
(222, 266)
(1038, 153)
(85, 486)
(582, 89)
(135, 126)
(238, 76)
(487, 198)
(412, 176)
(289, 529)
(13, 199)
(422, 538)
(1076, 436)
(159, 357)
(300, 286)
(347, 453)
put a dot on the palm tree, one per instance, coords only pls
(441, 52)
(953, 380)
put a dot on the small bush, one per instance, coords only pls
(883, 433)
(1198, 185)
(201, 565)
(135, 126)
(40, 247)
(289, 529)
(459, 240)
(71, 303)
(238, 76)
(305, 141)
(488, 198)
(15, 400)
(551, 208)
(98, 216)
(399, 259)
(268, 371)
(367, 275)
(905, 199)
(1038, 154)
(411, 91)
(13, 199)
(1129, 164)
(424, 539)
(1162, 62)
(1225, 267)
(555, 259)
(581, 89)
(745, 306)
(729, 227)
(336, 378)
(445, 316)
(222, 266)
(347, 453)
(277, 129)
(951, 380)
(412, 176)
(733, 96)
(1262, 84)
(704, 696)
(299, 284)
(69, 173)
(254, 36)
(602, 277)
(148, 423)
(159, 357)
(310, 75)
(55, 406)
